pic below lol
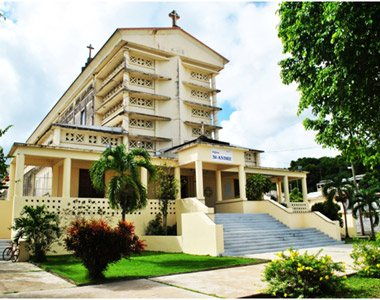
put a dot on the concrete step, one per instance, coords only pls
(260, 233)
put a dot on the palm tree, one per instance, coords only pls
(125, 189)
(340, 190)
(39, 228)
(368, 201)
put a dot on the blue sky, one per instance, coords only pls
(43, 47)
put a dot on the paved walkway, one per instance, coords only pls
(24, 280)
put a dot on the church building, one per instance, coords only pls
(151, 88)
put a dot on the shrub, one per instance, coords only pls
(97, 244)
(304, 276)
(39, 228)
(330, 210)
(256, 186)
(366, 255)
(155, 227)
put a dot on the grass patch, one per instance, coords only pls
(147, 264)
(363, 287)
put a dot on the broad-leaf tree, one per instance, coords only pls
(333, 56)
(342, 191)
(368, 201)
(256, 186)
(124, 190)
(167, 190)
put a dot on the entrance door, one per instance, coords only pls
(86, 190)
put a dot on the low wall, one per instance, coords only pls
(5, 219)
(163, 243)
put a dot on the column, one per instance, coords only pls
(279, 191)
(286, 189)
(199, 179)
(177, 176)
(214, 103)
(55, 181)
(144, 177)
(19, 178)
(242, 183)
(304, 190)
(66, 178)
(219, 195)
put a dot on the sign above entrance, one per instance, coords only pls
(221, 155)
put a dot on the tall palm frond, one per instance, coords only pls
(125, 189)
(340, 190)
(368, 201)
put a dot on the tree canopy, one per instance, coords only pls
(124, 189)
(334, 58)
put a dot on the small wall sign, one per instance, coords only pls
(220, 155)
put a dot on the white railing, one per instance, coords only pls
(91, 139)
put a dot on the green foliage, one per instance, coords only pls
(125, 189)
(342, 191)
(330, 210)
(3, 163)
(325, 168)
(155, 227)
(366, 255)
(333, 57)
(256, 186)
(304, 276)
(295, 195)
(39, 228)
(98, 245)
(167, 191)
(368, 201)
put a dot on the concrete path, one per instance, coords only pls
(23, 280)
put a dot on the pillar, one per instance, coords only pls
(304, 189)
(242, 183)
(55, 181)
(177, 176)
(19, 178)
(144, 177)
(219, 195)
(199, 179)
(214, 103)
(286, 189)
(279, 191)
(66, 178)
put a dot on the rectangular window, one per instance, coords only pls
(83, 117)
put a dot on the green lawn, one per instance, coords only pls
(362, 287)
(145, 265)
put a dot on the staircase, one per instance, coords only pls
(246, 234)
(3, 244)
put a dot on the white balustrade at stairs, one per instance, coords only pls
(246, 234)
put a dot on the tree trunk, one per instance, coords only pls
(373, 237)
(165, 223)
(345, 220)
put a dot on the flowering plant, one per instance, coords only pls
(366, 257)
(305, 276)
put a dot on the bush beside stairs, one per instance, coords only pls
(246, 234)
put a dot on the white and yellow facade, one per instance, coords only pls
(153, 88)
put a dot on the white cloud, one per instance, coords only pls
(43, 47)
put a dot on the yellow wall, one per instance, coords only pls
(5, 218)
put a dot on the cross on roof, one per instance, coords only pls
(174, 16)
(89, 52)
